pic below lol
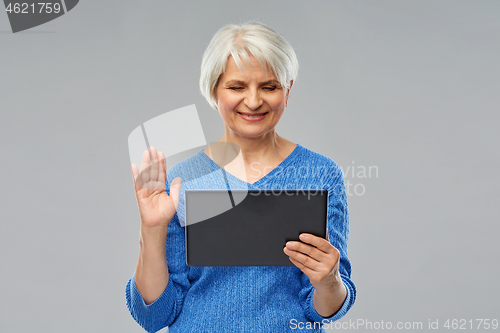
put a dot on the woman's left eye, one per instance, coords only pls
(271, 88)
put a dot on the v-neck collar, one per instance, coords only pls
(280, 166)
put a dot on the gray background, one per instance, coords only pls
(409, 87)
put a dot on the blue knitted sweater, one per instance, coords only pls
(245, 299)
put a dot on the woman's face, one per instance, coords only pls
(251, 101)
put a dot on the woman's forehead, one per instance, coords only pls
(247, 70)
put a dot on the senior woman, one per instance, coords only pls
(246, 74)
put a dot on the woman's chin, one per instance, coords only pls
(251, 133)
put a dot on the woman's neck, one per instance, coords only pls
(268, 147)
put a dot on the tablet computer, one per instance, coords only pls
(250, 227)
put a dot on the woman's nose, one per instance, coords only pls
(253, 100)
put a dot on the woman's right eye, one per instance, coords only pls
(235, 88)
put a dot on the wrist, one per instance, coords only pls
(329, 298)
(153, 235)
(332, 284)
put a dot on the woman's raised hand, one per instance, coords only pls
(156, 207)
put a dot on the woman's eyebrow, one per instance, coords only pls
(238, 82)
(270, 82)
(228, 83)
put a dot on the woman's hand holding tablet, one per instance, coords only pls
(319, 260)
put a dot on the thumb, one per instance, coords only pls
(135, 175)
(175, 189)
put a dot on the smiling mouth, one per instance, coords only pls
(253, 115)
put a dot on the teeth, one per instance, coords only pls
(256, 116)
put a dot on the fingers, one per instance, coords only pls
(315, 253)
(318, 242)
(153, 172)
(151, 166)
(135, 176)
(146, 163)
(306, 270)
(175, 188)
(298, 254)
(162, 177)
(135, 172)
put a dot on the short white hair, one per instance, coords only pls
(242, 41)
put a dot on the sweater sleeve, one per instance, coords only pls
(338, 232)
(165, 309)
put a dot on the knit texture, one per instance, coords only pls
(245, 299)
